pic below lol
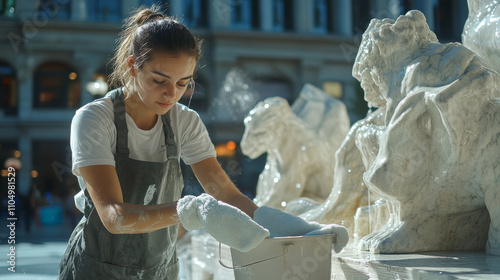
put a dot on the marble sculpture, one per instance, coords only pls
(300, 145)
(481, 32)
(437, 161)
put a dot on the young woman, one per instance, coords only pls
(126, 149)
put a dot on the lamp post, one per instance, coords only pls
(97, 87)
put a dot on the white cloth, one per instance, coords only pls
(224, 222)
(282, 224)
(93, 138)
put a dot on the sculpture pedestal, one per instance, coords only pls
(351, 264)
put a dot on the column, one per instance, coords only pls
(303, 16)
(342, 21)
(79, 10)
(87, 66)
(266, 15)
(220, 14)
(24, 176)
(25, 76)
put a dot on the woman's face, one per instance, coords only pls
(163, 79)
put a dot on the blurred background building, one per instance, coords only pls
(54, 57)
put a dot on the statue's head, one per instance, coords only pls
(264, 126)
(385, 46)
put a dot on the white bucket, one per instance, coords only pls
(298, 257)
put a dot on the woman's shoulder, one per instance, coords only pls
(100, 109)
(182, 110)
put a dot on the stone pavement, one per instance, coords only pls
(37, 254)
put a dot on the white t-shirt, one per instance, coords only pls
(93, 138)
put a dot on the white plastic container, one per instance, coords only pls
(298, 257)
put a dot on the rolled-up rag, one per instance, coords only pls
(224, 222)
(282, 224)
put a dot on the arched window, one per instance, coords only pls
(56, 86)
(8, 90)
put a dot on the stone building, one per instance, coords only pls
(54, 55)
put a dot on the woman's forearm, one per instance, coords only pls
(124, 218)
(243, 203)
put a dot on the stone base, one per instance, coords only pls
(351, 264)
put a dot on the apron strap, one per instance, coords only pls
(120, 121)
(169, 137)
(122, 131)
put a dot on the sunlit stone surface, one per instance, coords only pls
(482, 31)
(437, 162)
(300, 143)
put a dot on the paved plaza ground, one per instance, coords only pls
(38, 253)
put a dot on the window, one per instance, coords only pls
(56, 86)
(8, 90)
(269, 87)
(289, 16)
(104, 10)
(7, 8)
(195, 13)
(278, 15)
(282, 15)
(449, 19)
(52, 163)
(334, 89)
(241, 14)
(361, 15)
(55, 9)
(320, 16)
(407, 5)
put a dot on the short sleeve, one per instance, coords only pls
(196, 144)
(92, 136)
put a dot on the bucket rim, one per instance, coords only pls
(300, 236)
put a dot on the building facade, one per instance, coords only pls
(54, 55)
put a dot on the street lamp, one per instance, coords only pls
(97, 87)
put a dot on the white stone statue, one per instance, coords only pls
(481, 32)
(437, 163)
(300, 146)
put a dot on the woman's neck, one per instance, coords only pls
(142, 116)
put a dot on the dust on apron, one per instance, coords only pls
(94, 253)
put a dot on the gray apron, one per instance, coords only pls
(93, 253)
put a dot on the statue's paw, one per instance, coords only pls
(397, 240)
